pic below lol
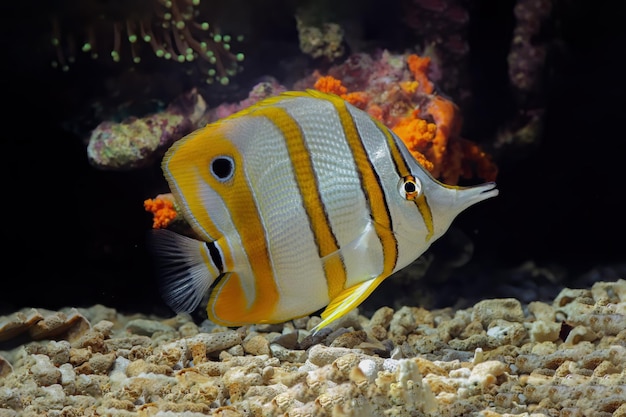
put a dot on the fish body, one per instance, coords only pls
(299, 202)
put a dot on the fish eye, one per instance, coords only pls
(410, 187)
(222, 168)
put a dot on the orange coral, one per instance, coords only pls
(418, 66)
(329, 84)
(358, 99)
(163, 210)
(417, 135)
(446, 116)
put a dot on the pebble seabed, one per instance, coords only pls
(497, 358)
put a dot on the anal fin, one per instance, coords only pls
(347, 300)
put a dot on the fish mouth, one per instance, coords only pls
(487, 190)
(468, 196)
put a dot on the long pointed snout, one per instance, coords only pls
(468, 196)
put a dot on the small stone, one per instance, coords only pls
(350, 339)
(256, 345)
(269, 327)
(321, 355)
(508, 309)
(6, 412)
(542, 311)
(141, 366)
(5, 367)
(236, 350)
(198, 352)
(188, 329)
(315, 338)
(474, 327)
(217, 341)
(58, 352)
(128, 342)
(79, 356)
(287, 355)
(486, 373)
(44, 371)
(300, 323)
(287, 340)
(543, 331)
(382, 317)
(506, 332)
(101, 363)
(378, 332)
(92, 340)
(226, 411)
(147, 327)
(68, 377)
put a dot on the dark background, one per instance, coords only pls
(74, 235)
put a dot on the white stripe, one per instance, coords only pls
(294, 255)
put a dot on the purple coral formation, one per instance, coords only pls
(441, 27)
(527, 55)
(138, 142)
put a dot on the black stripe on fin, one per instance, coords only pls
(216, 256)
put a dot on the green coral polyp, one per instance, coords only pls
(168, 27)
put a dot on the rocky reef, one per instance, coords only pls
(499, 357)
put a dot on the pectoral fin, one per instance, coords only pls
(347, 300)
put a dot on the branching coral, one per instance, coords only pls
(329, 84)
(172, 30)
(418, 66)
(400, 94)
(163, 210)
(417, 134)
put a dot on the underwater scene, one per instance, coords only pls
(314, 208)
